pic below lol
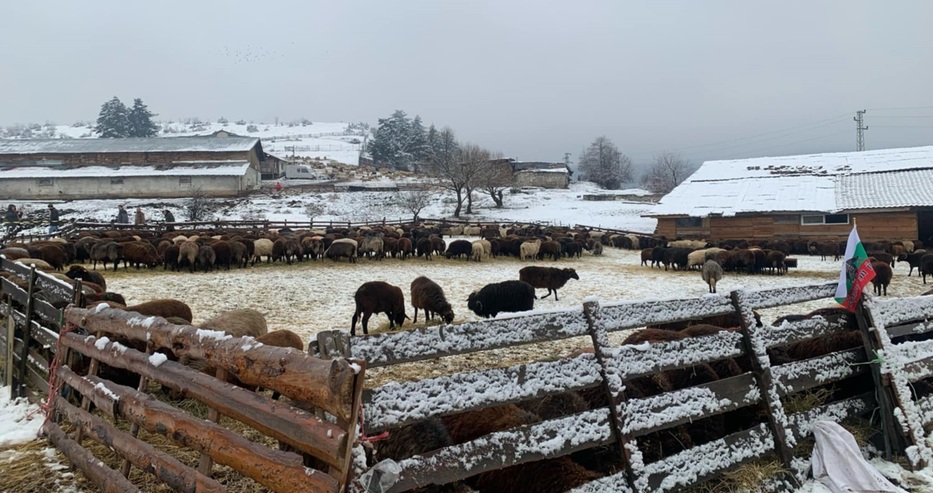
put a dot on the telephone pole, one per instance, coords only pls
(860, 130)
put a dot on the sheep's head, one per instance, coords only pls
(473, 303)
(399, 317)
(572, 273)
(447, 313)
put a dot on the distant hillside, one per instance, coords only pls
(339, 142)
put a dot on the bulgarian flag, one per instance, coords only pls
(856, 273)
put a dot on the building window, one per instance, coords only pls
(45, 182)
(185, 180)
(824, 219)
(116, 181)
(689, 222)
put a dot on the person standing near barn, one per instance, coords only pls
(122, 216)
(53, 219)
(169, 218)
(11, 216)
(139, 218)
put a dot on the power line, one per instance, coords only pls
(794, 143)
(902, 108)
(788, 130)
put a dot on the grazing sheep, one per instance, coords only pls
(38, 262)
(529, 249)
(54, 255)
(163, 307)
(140, 253)
(549, 249)
(405, 248)
(594, 246)
(262, 247)
(14, 253)
(712, 273)
(438, 245)
(883, 275)
(106, 251)
(926, 266)
(372, 247)
(775, 261)
(459, 248)
(378, 297)
(506, 296)
(691, 244)
(550, 278)
(343, 247)
(239, 322)
(206, 258)
(223, 253)
(80, 272)
(188, 254)
(282, 338)
(429, 296)
(478, 251)
(425, 248)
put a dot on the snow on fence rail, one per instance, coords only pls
(628, 419)
(332, 386)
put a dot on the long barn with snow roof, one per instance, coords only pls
(887, 192)
(132, 167)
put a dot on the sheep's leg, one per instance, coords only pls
(366, 316)
(555, 295)
(416, 315)
(356, 316)
(548, 294)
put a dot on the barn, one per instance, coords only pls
(888, 193)
(540, 174)
(132, 167)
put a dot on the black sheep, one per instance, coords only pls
(926, 266)
(549, 278)
(378, 297)
(913, 259)
(424, 247)
(79, 272)
(883, 275)
(459, 248)
(428, 295)
(506, 296)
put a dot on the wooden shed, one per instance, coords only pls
(138, 167)
(887, 192)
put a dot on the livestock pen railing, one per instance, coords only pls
(628, 420)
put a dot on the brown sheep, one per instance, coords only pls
(54, 255)
(238, 322)
(163, 307)
(138, 253)
(188, 254)
(223, 253)
(378, 297)
(206, 258)
(404, 247)
(549, 278)
(428, 295)
(549, 249)
(80, 272)
(883, 276)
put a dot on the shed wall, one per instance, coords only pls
(137, 186)
(116, 158)
(543, 180)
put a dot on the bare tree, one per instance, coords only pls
(472, 163)
(416, 200)
(444, 160)
(602, 163)
(496, 178)
(197, 207)
(668, 171)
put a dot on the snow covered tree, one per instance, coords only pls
(140, 121)
(113, 120)
(399, 142)
(602, 163)
(667, 172)
(414, 201)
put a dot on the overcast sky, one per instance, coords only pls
(710, 79)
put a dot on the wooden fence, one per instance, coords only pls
(628, 420)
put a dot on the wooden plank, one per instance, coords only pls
(669, 409)
(801, 424)
(628, 315)
(800, 330)
(322, 383)
(54, 287)
(106, 479)
(87, 386)
(40, 334)
(915, 328)
(448, 340)
(806, 374)
(769, 298)
(285, 423)
(631, 361)
(897, 311)
(36, 374)
(527, 443)
(925, 405)
(18, 294)
(49, 314)
(919, 370)
(277, 470)
(395, 404)
(144, 456)
(705, 461)
(614, 483)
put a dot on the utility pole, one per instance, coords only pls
(860, 130)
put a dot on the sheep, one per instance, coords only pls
(506, 296)
(883, 257)
(378, 297)
(54, 255)
(282, 338)
(529, 249)
(138, 253)
(83, 247)
(262, 247)
(223, 253)
(313, 247)
(405, 248)
(926, 266)
(549, 278)
(80, 272)
(775, 261)
(170, 257)
(675, 257)
(883, 275)
(206, 258)
(487, 247)
(163, 307)
(425, 248)
(343, 247)
(37, 262)
(429, 296)
(239, 322)
(549, 249)
(478, 251)
(712, 273)
(14, 253)
(691, 244)
(913, 259)
(188, 254)
(109, 251)
(438, 245)
(372, 247)
(458, 248)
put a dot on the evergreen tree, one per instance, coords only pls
(140, 121)
(113, 121)
(400, 142)
(602, 163)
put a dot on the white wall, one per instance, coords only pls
(142, 186)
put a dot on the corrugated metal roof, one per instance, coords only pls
(154, 144)
(830, 182)
(217, 168)
(909, 188)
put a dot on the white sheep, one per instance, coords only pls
(529, 249)
(478, 251)
(712, 273)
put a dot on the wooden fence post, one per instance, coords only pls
(24, 353)
(10, 334)
(600, 337)
(756, 350)
(893, 440)
(333, 344)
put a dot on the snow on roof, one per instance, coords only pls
(552, 170)
(188, 168)
(154, 144)
(829, 182)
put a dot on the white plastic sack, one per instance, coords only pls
(839, 465)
